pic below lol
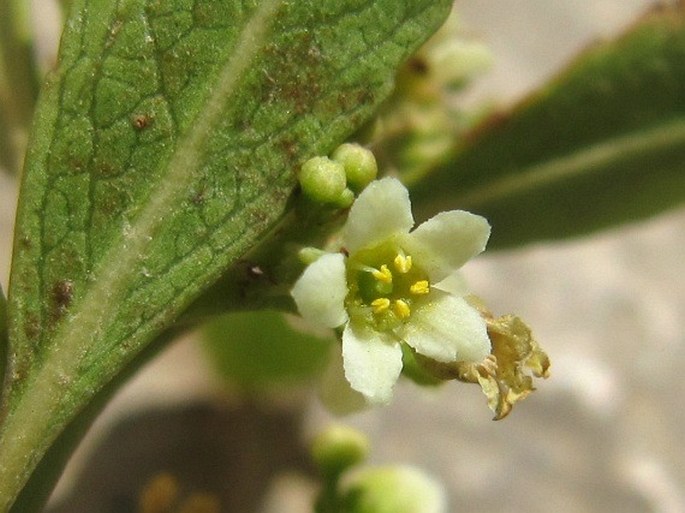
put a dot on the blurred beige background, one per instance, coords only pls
(603, 433)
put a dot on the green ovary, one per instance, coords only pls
(384, 285)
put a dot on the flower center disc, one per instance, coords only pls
(384, 285)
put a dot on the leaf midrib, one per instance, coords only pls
(582, 162)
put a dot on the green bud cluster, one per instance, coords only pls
(334, 180)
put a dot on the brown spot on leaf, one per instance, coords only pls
(294, 73)
(62, 294)
(290, 148)
(105, 168)
(199, 195)
(32, 327)
(141, 121)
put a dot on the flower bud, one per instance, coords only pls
(360, 164)
(323, 180)
(338, 448)
(456, 60)
(395, 490)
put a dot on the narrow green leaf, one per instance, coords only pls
(602, 144)
(258, 350)
(18, 81)
(165, 147)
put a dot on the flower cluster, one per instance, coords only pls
(389, 286)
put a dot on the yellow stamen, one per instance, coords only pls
(380, 305)
(383, 274)
(420, 287)
(403, 263)
(401, 309)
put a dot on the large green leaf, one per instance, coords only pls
(165, 147)
(602, 144)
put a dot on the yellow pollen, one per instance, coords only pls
(403, 263)
(420, 287)
(401, 309)
(383, 274)
(380, 305)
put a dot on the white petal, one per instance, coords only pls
(372, 360)
(448, 329)
(335, 391)
(320, 292)
(447, 241)
(381, 211)
(455, 284)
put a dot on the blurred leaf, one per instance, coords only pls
(602, 144)
(264, 348)
(3, 334)
(8, 157)
(19, 79)
(164, 149)
(65, 5)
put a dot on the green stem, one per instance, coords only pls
(329, 500)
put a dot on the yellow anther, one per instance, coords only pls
(401, 309)
(380, 305)
(420, 287)
(403, 263)
(383, 274)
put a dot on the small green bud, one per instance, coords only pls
(346, 199)
(360, 164)
(323, 180)
(338, 448)
(394, 490)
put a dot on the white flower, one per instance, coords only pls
(391, 287)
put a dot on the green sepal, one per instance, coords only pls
(412, 370)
